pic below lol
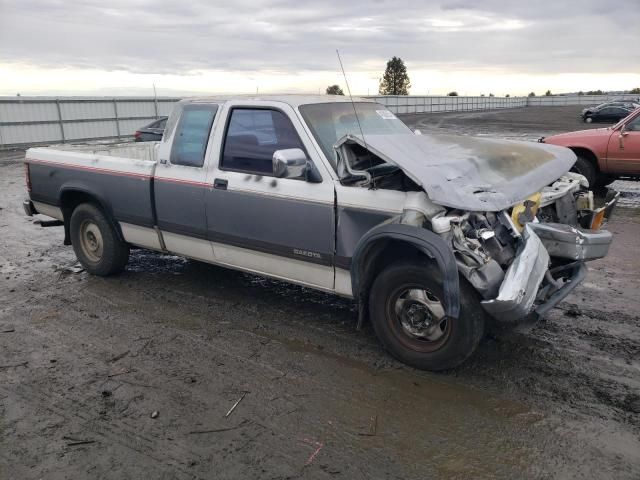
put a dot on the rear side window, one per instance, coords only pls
(192, 135)
(252, 137)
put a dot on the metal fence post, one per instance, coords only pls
(115, 111)
(60, 119)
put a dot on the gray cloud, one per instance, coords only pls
(165, 36)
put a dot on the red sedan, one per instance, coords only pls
(605, 154)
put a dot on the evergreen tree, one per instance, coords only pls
(395, 80)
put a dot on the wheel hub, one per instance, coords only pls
(417, 315)
(91, 241)
(421, 314)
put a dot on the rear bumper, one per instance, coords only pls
(29, 209)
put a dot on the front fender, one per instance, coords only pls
(425, 241)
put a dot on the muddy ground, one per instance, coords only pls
(86, 361)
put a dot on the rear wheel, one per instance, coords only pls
(586, 168)
(408, 316)
(96, 242)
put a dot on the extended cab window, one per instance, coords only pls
(192, 135)
(252, 137)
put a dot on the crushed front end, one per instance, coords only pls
(526, 259)
(520, 225)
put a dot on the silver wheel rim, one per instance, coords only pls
(589, 120)
(91, 241)
(421, 314)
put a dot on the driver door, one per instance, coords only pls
(623, 151)
(281, 227)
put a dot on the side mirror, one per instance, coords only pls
(293, 163)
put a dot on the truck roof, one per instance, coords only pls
(294, 100)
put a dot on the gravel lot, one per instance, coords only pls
(134, 375)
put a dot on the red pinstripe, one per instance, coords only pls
(116, 172)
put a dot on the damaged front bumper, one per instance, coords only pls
(530, 286)
(520, 286)
(572, 243)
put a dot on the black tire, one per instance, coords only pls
(602, 180)
(585, 167)
(460, 337)
(96, 242)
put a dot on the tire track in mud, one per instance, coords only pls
(559, 362)
(203, 350)
(62, 405)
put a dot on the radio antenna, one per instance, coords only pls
(355, 112)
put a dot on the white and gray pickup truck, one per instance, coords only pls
(430, 235)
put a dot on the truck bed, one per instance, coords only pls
(120, 176)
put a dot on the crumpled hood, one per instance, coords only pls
(471, 173)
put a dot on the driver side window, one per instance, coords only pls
(634, 125)
(252, 136)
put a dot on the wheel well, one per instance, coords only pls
(382, 254)
(70, 199)
(587, 155)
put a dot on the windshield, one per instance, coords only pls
(329, 122)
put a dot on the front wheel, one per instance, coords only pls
(406, 309)
(96, 242)
(588, 120)
(585, 167)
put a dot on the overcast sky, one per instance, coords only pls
(472, 46)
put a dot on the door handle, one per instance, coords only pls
(220, 183)
(621, 139)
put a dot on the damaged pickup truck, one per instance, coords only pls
(430, 235)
